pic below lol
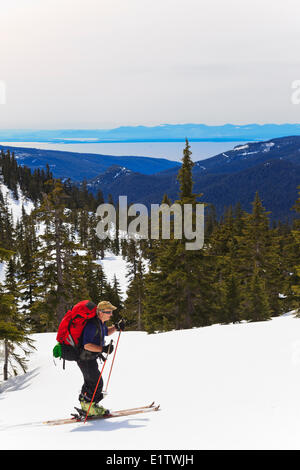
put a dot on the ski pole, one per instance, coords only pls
(105, 391)
(98, 382)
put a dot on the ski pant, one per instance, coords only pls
(91, 373)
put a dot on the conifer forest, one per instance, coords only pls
(248, 269)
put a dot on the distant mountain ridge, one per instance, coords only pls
(247, 155)
(272, 168)
(163, 132)
(80, 166)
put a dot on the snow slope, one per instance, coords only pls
(220, 387)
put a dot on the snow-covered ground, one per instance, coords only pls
(115, 265)
(220, 387)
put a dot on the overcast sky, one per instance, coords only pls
(105, 63)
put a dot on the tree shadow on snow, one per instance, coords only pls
(109, 425)
(14, 384)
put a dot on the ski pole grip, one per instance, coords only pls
(109, 348)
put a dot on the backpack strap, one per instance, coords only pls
(96, 321)
(100, 331)
(90, 305)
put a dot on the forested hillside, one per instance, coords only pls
(248, 269)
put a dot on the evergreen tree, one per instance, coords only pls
(256, 304)
(185, 176)
(230, 304)
(133, 307)
(259, 257)
(83, 227)
(6, 231)
(14, 330)
(28, 247)
(115, 297)
(296, 270)
(210, 220)
(174, 287)
(94, 244)
(56, 261)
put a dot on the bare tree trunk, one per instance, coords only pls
(189, 309)
(139, 325)
(61, 306)
(5, 367)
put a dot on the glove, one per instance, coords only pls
(120, 325)
(108, 348)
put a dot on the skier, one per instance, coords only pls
(93, 345)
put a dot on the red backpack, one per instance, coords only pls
(71, 328)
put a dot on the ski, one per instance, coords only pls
(113, 414)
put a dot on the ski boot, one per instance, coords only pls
(95, 410)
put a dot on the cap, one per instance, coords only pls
(105, 305)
